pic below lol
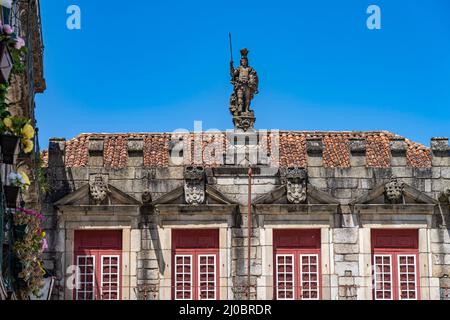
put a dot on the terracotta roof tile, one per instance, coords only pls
(156, 150)
(77, 152)
(292, 149)
(115, 153)
(417, 155)
(213, 148)
(378, 151)
(336, 151)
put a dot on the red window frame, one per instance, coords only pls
(98, 254)
(397, 250)
(300, 246)
(195, 248)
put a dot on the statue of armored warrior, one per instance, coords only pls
(245, 81)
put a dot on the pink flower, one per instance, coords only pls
(7, 29)
(29, 212)
(44, 244)
(20, 43)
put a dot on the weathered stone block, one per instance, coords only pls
(224, 181)
(317, 172)
(319, 183)
(342, 193)
(148, 274)
(440, 248)
(346, 248)
(242, 242)
(441, 270)
(242, 252)
(445, 172)
(447, 259)
(77, 174)
(147, 255)
(135, 160)
(365, 184)
(357, 172)
(438, 259)
(348, 236)
(175, 173)
(147, 264)
(337, 183)
(402, 172)
(123, 185)
(398, 161)
(164, 186)
(346, 281)
(357, 161)
(121, 174)
(135, 242)
(351, 257)
(342, 267)
(315, 162)
(440, 236)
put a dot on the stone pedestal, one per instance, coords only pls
(244, 121)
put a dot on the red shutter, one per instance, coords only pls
(395, 261)
(297, 264)
(196, 264)
(98, 255)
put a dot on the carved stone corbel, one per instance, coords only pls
(147, 197)
(393, 191)
(194, 185)
(98, 188)
(295, 179)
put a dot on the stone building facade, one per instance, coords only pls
(335, 215)
(25, 19)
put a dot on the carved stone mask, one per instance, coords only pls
(98, 189)
(296, 184)
(394, 190)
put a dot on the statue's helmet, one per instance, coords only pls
(244, 54)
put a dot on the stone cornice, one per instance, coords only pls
(318, 214)
(206, 213)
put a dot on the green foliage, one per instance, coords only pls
(41, 176)
(17, 124)
(18, 58)
(28, 250)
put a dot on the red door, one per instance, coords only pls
(98, 256)
(297, 264)
(195, 261)
(395, 259)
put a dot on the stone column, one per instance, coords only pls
(240, 261)
(346, 259)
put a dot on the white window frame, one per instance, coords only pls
(79, 284)
(309, 273)
(207, 273)
(191, 257)
(407, 273)
(383, 273)
(285, 273)
(110, 274)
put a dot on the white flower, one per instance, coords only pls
(6, 3)
(12, 177)
(16, 179)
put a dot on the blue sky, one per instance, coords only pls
(159, 65)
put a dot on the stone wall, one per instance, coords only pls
(349, 275)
